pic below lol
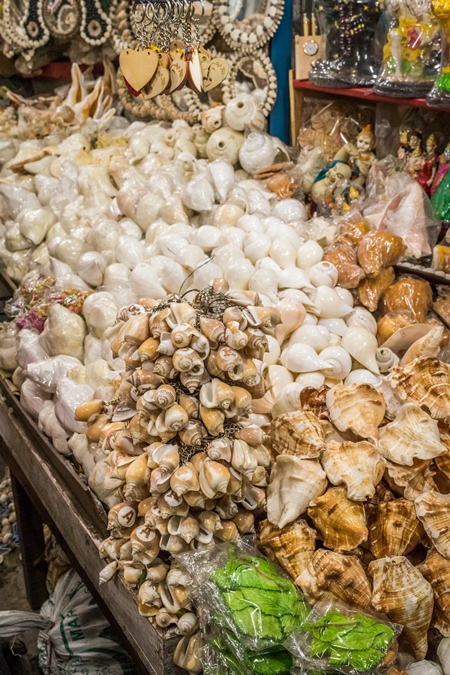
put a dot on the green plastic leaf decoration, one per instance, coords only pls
(366, 659)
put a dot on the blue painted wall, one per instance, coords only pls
(280, 52)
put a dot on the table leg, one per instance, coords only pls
(32, 546)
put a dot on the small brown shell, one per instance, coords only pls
(426, 381)
(297, 433)
(433, 510)
(358, 407)
(394, 528)
(341, 575)
(314, 400)
(436, 570)
(378, 250)
(371, 289)
(340, 521)
(411, 294)
(292, 547)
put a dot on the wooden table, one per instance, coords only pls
(47, 489)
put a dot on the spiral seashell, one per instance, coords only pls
(229, 531)
(138, 329)
(242, 406)
(213, 329)
(187, 360)
(182, 335)
(220, 450)
(292, 547)
(357, 465)
(234, 337)
(244, 459)
(165, 396)
(433, 510)
(193, 433)
(214, 478)
(394, 528)
(121, 517)
(185, 479)
(359, 407)
(201, 345)
(193, 380)
(235, 314)
(180, 313)
(386, 359)
(213, 419)
(163, 618)
(258, 343)
(245, 522)
(212, 365)
(145, 541)
(216, 394)
(143, 380)
(158, 323)
(339, 362)
(229, 361)
(173, 418)
(187, 623)
(163, 366)
(166, 346)
(436, 570)
(190, 404)
(297, 433)
(220, 285)
(167, 458)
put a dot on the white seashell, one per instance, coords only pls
(276, 229)
(298, 295)
(224, 144)
(328, 304)
(362, 318)
(295, 278)
(316, 337)
(423, 668)
(205, 274)
(302, 358)
(290, 210)
(336, 326)
(339, 362)
(190, 256)
(361, 375)
(145, 283)
(283, 253)
(129, 251)
(323, 274)
(311, 320)
(362, 346)
(265, 281)
(252, 224)
(345, 295)
(198, 194)
(386, 359)
(443, 652)
(242, 111)
(91, 267)
(288, 400)
(206, 237)
(315, 380)
(239, 273)
(108, 572)
(220, 173)
(279, 377)
(272, 354)
(309, 254)
(257, 152)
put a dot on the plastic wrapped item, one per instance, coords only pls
(339, 638)
(247, 606)
(440, 93)
(48, 372)
(33, 398)
(411, 54)
(28, 348)
(351, 56)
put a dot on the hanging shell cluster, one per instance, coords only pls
(187, 466)
(365, 470)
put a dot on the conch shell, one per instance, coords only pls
(433, 510)
(371, 289)
(293, 483)
(426, 381)
(292, 547)
(297, 433)
(341, 575)
(357, 465)
(315, 400)
(394, 528)
(428, 345)
(412, 435)
(378, 250)
(413, 295)
(400, 591)
(358, 407)
(436, 570)
(340, 521)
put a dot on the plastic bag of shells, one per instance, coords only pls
(339, 638)
(247, 607)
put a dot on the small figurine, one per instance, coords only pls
(360, 157)
(327, 181)
(427, 165)
(440, 189)
(414, 154)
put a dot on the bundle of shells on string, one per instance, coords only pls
(185, 466)
(358, 500)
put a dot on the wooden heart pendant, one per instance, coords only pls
(217, 72)
(160, 79)
(178, 75)
(195, 71)
(138, 66)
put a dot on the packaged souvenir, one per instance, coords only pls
(440, 94)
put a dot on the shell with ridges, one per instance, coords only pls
(433, 510)
(297, 433)
(425, 381)
(340, 521)
(358, 407)
(357, 465)
(292, 546)
(428, 345)
(400, 591)
(436, 570)
(394, 528)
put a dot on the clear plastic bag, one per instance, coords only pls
(338, 638)
(247, 605)
(351, 54)
(411, 53)
(440, 94)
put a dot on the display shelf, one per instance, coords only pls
(61, 500)
(365, 94)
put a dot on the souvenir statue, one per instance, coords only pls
(440, 188)
(411, 53)
(349, 26)
(414, 154)
(328, 182)
(359, 157)
(440, 94)
(427, 165)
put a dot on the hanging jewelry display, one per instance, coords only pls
(95, 26)
(168, 56)
(252, 74)
(243, 28)
(62, 18)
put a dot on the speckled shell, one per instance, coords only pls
(400, 591)
(358, 407)
(433, 510)
(436, 570)
(341, 575)
(426, 381)
(340, 521)
(292, 547)
(357, 465)
(394, 528)
(412, 435)
(297, 433)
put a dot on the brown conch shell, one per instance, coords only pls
(411, 294)
(358, 407)
(292, 547)
(297, 433)
(340, 521)
(436, 571)
(343, 257)
(294, 482)
(315, 400)
(410, 481)
(371, 289)
(433, 510)
(391, 322)
(394, 528)
(357, 465)
(426, 381)
(428, 345)
(341, 575)
(378, 250)
(412, 435)
(401, 592)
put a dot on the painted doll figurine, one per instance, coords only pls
(428, 163)
(440, 189)
(359, 157)
(414, 154)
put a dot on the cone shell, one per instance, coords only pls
(292, 547)
(357, 465)
(293, 484)
(315, 401)
(358, 407)
(297, 433)
(341, 575)
(433, 510)
(412, 435)
(340, 521)
(400, 591)
(413, 295)
(436, 570)
(394, 528)
(378, 250)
